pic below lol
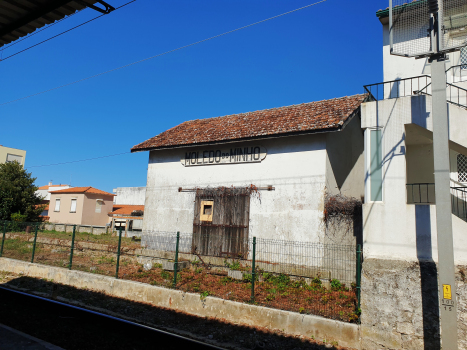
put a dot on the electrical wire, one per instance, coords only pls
(66, 31)
(161, 54)
(78, 161)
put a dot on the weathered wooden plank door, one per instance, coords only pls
(221, 222)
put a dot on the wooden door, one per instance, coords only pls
(221, 220)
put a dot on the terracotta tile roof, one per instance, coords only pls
(47, 187)
(88, 190)
(303, 118)
(125, 209)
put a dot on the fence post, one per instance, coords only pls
(3, 238)
(176, 260)
(359, 273)
(72, 247)
(253, 271)
(118, 251)
(34, 244)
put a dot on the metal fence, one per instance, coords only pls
(314, 278)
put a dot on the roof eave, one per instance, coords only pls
(250, 138)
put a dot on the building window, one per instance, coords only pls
(99, 204)
(206, 210)
(376, 168)
(461, 168)
(73, 205)
(57, 204)
(13, 157)
(464, 58)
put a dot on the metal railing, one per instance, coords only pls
(459, 202)
(314, 278)
(458, 72)
(414, 86)
(420, 193)
(400, 88)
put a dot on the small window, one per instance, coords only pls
(464, 58)
(13, 157)
(376, 166)
(73, 205)
(461, 168)
(57, 204)
(206, 210)
(99, 204)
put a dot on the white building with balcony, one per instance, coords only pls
(400, 307)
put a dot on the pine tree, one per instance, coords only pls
(18, 194)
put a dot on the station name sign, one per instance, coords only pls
(252, 154)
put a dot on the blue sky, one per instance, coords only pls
(325, 51)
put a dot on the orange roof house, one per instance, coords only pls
(80, 206)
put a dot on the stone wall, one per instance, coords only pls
(97, 230)
(400, 305)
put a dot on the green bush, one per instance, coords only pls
(336, 284)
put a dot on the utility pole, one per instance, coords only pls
(428, 17)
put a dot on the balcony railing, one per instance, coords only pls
(400, 88)
(414, 86)
(459, 202)
(421, 193)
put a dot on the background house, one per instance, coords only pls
(129, 218)
(8, 154)
(80, 206)
(44, 192)
(272, 168)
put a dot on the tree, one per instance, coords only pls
(18, 194)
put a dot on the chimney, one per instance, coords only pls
(50, 183)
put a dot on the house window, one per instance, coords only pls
(13, 157)
(461, 168)
(73, 205)
(376, 169)
(99, 204)
(57, 204)
(464, 58)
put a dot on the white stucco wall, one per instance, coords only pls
(130, 195)
(295, 166)
(393, 228)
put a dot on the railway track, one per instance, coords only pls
(72, 327)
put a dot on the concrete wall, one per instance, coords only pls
(130, 195)
(64, 216)
(90, 217)
(97, 230)
(345, 161)
(4, 151)
(400, 305)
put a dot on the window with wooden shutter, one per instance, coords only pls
(73, 205)
(221, 222)
(57, 204)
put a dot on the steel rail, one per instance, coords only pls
(113, 318)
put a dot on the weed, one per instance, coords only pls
(301, 310)
(270, 297)
(224, 280)
(199, 270)
(204, 295)
(165, 275)
(343, 296)
(157, 266)
(334, 343)
(316, 281)
(336, 284)
(105, 260)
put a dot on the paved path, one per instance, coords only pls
(11, 339)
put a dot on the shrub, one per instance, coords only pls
(336, 284)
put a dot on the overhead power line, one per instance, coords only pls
(78, 161)
(161, 54)
(66, 31)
